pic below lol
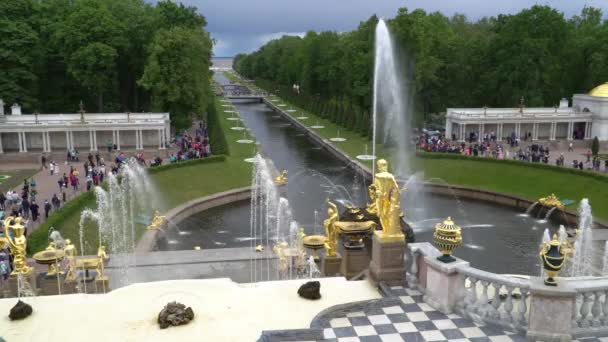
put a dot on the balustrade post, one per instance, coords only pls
(551, 310)
(444, 285)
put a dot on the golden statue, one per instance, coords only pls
(551, 201)
(331, 232)
(17, 245)
(281, 179)
(157, 221)
(102, 256)
(371, 206)
(70, 254)
(280, 249)
(388, 203)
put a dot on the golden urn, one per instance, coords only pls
(552, 256)
(447, 237)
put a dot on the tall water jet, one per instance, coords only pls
(392, 102)
(583, 246)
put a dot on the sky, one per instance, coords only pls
(245, 25)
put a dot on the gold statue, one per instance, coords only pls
(371, 206)
(281, 179)
(102, 256)
(17, 245)
(280, 249)
(70, 255)
(388, 203)
(331, 232)
(157, 221)
(551, 201)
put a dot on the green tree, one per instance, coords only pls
(595, 147)
(94, 66)
(177, 73)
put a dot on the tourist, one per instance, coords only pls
(2, 201)
(51, 168)
(89, 182)
(56, 202)
(43, 162)
(47, 208)
(570, 147)
(34, 209)
(25, 208)
(74, 181)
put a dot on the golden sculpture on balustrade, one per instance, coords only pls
(388, 204)
(102, 256)
(281, 179)
(551, 201)
(447, 237)
(371, 206)
(52, 257)
(158, 221)
(331, 232)
(552, 255)
(17, 245)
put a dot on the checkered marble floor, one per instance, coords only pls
(410, 319)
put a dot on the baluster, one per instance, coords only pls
(576, 311)
(596, 309)
(471, 297)
(605, 308)
(585, 310)
(461, 302)
(507, 315)
(494, 312)
(482, 302)
(522, 308)
(412, 281)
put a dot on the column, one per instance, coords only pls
(160, 139)
(499, 133)
(553, 130)
(90, 140)
(587, 130)
(118, 139)
(570, 130)
(47, 136)
(162, 136)
(43, 141)
(1, 150)
(141, 139)
(464, 132)
(535, 131)
(72, 139)
(137, 139)
(24, 140)
(448, 129)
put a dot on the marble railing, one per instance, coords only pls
(577, 307)
(493, 298)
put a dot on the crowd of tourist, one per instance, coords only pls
(192, 146)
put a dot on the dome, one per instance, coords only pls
(600, 91)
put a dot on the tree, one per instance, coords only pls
(595, 147)
(177, 73)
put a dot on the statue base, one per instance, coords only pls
(388, 263)
(102, 285)
(29, 277)
(49, 285)
(330, 265)
(354, 261)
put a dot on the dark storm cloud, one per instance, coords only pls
(244, 25)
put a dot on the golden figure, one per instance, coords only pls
(551, 201)
(552, 256)
(17, 245)
(70, 255)
(281, 179)
(388, 202)
(371, 206)
(280, 249)
(157, 221)
(331, 233)
(102, 256)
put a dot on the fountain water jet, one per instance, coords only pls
(583, 245)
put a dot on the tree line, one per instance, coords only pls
(537, 54)
(114, 55)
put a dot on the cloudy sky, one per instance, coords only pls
(245, 25)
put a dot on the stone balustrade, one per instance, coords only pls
(577, 307)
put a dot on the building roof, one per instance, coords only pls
(600, 91)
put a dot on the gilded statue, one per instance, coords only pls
(17, 245)
(102, 256)
(70, 256)
(282, 178)
(388, 201)
(331, 232)
(371, 206)
(157, 221)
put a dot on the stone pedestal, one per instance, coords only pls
(330, 265)
(29, 278)
(102, 285)
(354, 261)
(550, 311)
(443, 283)
(388, 263)
(50, 286)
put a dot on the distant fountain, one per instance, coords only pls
(392, 106)
(129, 196)
(583, 245)
(605, 260)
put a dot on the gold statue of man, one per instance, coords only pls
(388, 200)
(371, 206)
(17, 245)
(70, 255)
(102, 256)
(331, 232)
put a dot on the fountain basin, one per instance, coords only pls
(129, 313)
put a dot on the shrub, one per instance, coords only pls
(217, 139)
(166, 167)
(595, 146)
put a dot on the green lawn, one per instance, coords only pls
(11, 179)
(175, 185)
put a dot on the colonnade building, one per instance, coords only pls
(82, 131)
(585, 119)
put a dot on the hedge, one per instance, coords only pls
(217, 139)
(438, 155)
(39, 239)
(191, 162)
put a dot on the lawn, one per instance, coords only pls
(176, 186)
(515, 178)
(11, 179)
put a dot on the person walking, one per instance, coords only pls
(570, 147)
(34, 209)
(25, 208)
(47, 208)
(43, 162)
(56, 202)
